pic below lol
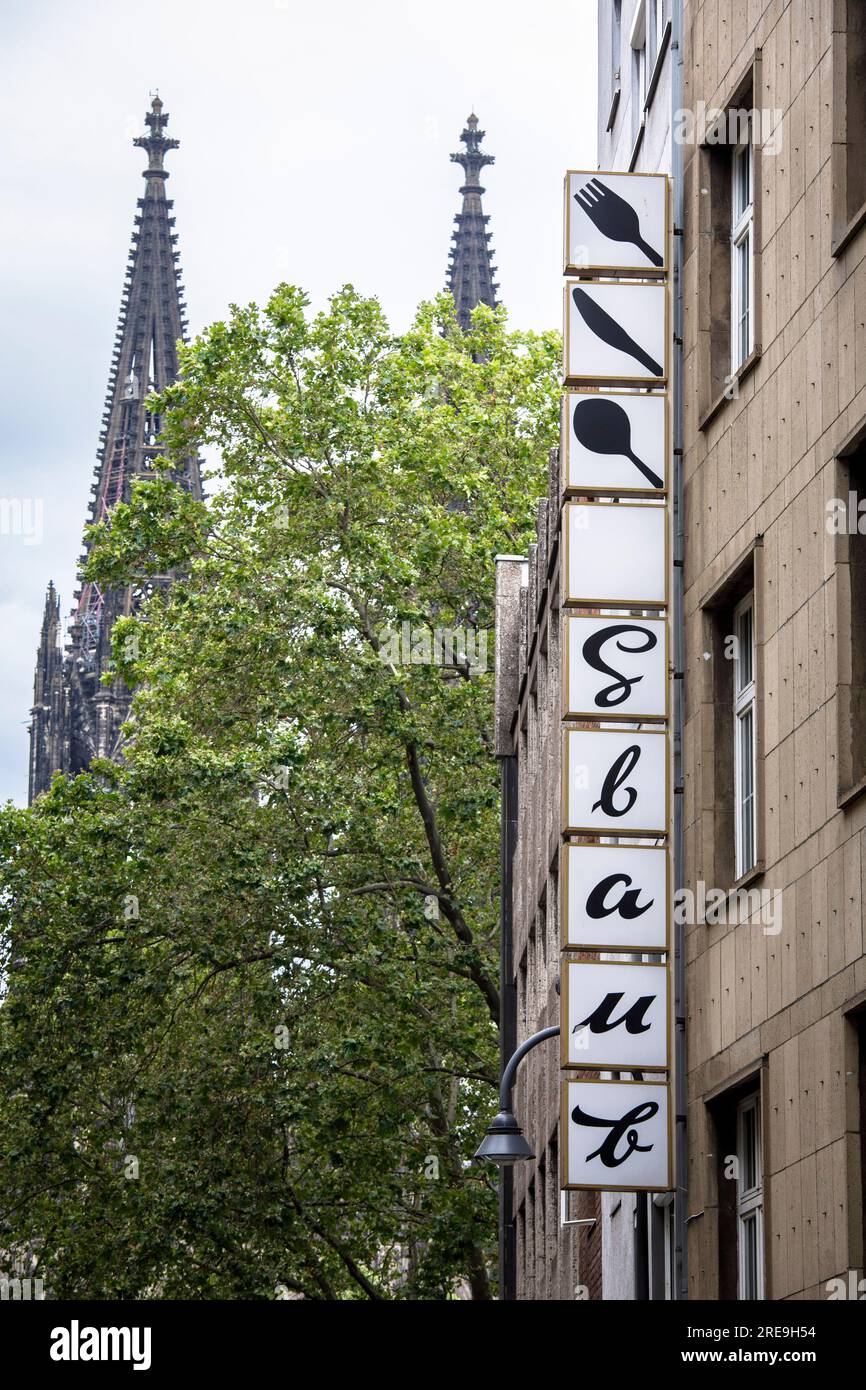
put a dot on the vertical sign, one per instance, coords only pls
(615, 584)
(615, 443)
(614, 554)
(617, 1136)
(614, 668)
(615, 898)
(616, 223)
(615, 1015)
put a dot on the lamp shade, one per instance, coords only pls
(504, 1143)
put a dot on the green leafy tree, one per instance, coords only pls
(250, 1023)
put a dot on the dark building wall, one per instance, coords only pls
(552, 1261)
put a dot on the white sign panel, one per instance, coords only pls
(617, 471)
(615, 555)
(615, 442)
(615, 222)
(615, 1015)
(617, 1136)
(615, 897)
(615, 332)
(614, 783)
(615, 668)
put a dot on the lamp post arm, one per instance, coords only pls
(506, 1085)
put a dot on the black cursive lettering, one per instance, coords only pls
(625, 763)
(626, 907)
(600, 1020)
(618, 1128)
(613, 695)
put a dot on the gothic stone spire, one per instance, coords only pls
(151, 321)
(48, 715)
(470, 272)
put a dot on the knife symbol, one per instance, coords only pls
(599, 322)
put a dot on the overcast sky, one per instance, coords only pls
(314, 148)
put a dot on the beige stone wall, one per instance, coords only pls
(758, 475)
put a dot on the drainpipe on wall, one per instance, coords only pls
(508, 1015)
(510, 574)
(680, 1289)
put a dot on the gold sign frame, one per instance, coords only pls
(628, 947)
(565, 990)
(608, 716)
(624, 271)
(566, 599)
(574, 490)
(567, 1186)
(616, 378)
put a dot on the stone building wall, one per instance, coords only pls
(778, 1010)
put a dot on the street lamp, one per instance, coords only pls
(504, 1144)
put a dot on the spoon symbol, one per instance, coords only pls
(603, 427)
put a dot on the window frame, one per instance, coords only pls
(750, 1201)
(847, 197)
(742, 236)
(717, 384)
(638, 40)
(616, 42)
(615, 62)
(850, 571)
(657, 16)
(745, 705)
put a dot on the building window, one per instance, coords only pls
(744, 734)
(850, 542)
(662, 1254)
(615, 60)
(729, 248)
(750, 1200)
(637, 43)
(736, 1140)
(615, 42)
(657, 25)
(742, 252)
(733, 705)
(849, 126)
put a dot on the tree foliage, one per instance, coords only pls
(249, 1034)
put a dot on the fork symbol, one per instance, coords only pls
(614, 217)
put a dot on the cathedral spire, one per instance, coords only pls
(470, 272)
(47, 715)
(155, 142)
(145, 361)
(50, 655)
